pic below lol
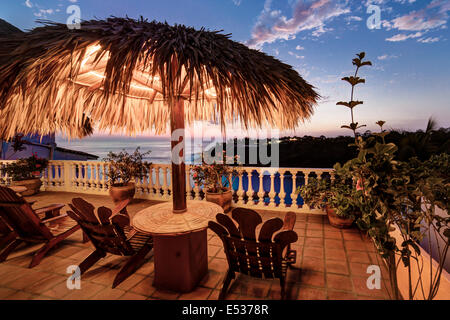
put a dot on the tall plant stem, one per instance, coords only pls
(393, 275)
(351, 100)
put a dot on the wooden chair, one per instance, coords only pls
(266, 256)
(27, 226)
(6, 234)
(110, 232)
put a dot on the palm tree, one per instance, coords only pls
(418, 144)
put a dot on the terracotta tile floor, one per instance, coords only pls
(331, 264)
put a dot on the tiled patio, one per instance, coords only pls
(331, 264)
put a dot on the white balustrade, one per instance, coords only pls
(90, 177)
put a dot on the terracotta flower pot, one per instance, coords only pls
(337, 221)
(222, 199)
(119, 193)
(33, 186)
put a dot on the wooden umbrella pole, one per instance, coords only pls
(178, 154)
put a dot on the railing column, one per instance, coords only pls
(240, 191)
(188, 183)
(306, 173)
(250, 191)
(261, 191)
(282, 193)
(272, 192)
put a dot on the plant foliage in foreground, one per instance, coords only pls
(399, 195)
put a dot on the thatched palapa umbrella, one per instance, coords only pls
(132, 75)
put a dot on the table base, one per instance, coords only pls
(181, 261)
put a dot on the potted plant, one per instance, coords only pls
(26, 172)
(335, 197)
(123, 168)
(215, 180)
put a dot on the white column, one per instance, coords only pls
(282, 193)
(272, 192)
(240, 191)
(261, 192)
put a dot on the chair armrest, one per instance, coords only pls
(54, 218)
(121, 208)
(51, 207)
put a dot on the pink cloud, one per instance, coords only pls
(432, 17)
(313, 15)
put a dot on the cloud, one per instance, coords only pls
(433, 17)
(306, 16)
(403, 37)
(42, 13)
(29, 4)
(296, 55)
(428, 40)
(236, 2)
(299, 47)
(387, 57)
(353, 18)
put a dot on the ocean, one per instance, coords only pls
(160, 153)
(159, 147)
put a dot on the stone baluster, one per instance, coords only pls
(91, 176)
(188, 183)
(60, 174)
(150, 181)
(158, 183)
(272, 192)
(282, 193)
(306, 174)
(261, 191)
(250, 190)
(144, 184)
(165, 184)
(98, 181)
(240, 191)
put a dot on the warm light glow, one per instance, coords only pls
(90, 51)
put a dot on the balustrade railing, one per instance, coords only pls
(253, 187)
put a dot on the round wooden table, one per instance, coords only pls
(180, 242)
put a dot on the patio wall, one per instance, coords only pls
(426, 263)
(277, 191)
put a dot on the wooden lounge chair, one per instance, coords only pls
(110, 232)
(6, 234)
(27, 226)
(267, 256)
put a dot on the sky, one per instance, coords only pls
(406, 40)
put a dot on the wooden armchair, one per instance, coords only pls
(6, 234)
(267, 256)
(25, 225)
(110, 232)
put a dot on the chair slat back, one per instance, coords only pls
(258, 258)
(19, 215)
(106, 233)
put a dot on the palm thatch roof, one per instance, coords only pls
(125, 75)
(7, 28)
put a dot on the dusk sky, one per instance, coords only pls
(408, 83)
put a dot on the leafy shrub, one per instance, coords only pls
(26, 168)
(123, 167)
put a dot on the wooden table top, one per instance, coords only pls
(160, 220)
